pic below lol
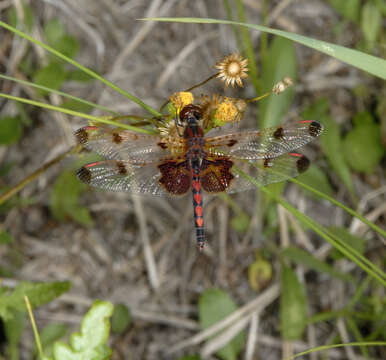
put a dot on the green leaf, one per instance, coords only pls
(213, 306)
(280, 62)
(372, 64)
(316, 178)
(190, 357)
(14, 328)
(354, 241)
(65, 199)
(75, 105)
(10, 129)
(301, 257)
(53, 31)
(67, 45)
(371, 23)
(5, 238)
(293, 305)
(49, 335)
(79, 75)
(121, 318)
(330, 140)
(37, 293)
(349, 9)
(362, 145)
(52, 76)
(90, 342)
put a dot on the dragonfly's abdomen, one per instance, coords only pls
(198, 205)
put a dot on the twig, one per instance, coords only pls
(144, 235)
(259, 303)
(15, 189)
(252, 336)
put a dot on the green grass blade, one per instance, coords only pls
(345, 249)
(75, 113)
(327, 347)
(79, 66)
(337, 203)
(61, 93)
(371, 64)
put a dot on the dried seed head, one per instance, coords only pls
(282, 85)
(232, 69)
(181, 99)
(208, 106)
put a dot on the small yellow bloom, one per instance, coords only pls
(181, 99)
(226, 112)
(232, 69)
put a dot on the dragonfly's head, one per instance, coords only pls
(190, 114)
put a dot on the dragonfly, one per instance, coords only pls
(193, 161)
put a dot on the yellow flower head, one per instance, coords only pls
(226, 112)
(232, 69)
(181, 99)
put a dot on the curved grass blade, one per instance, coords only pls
(345, 249)
(79, 66)
(75, 113)
(371, 64)
(327, 347)
(337, 203)
(61, 93)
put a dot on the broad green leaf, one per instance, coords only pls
(354, 241)
(372, 64)
(316, 178)
(53, 31)
(90, 342)
(293, 305)
(65, 199)
(347, 8)
(10, 129)
(78, 75)
(52, 76)
(213, 306)
(75, 105)
(49, 335)
(371, 23)
(14, 328)
(362, 145)
(121, 318)
(28, 17)
(330, 140)
(5, 238)
(37, 293)
(280, 62)
(67, 45)
(301, 257)
(190, 357)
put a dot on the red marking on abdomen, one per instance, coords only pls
(90, 127)
(295, 154)
(198, 210)
(305, 121)
(197, 198)
(196, 185)
(200, 222)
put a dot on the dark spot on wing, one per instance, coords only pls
(302, 164)
(162, 145)
(279, 133)
(232, 142)
(121, 168)
(81, 136)
(117, 138)
(315, 129)
(84, 175)
(268, 162)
